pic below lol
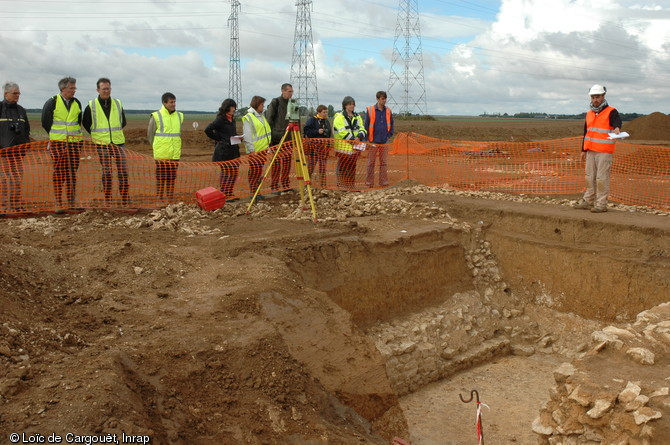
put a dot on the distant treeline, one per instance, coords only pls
(331, 113)
(624, 116)
(146, 112)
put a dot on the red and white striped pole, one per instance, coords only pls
(478, 422)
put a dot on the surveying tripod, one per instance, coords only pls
(301, 170)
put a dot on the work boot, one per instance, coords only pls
(583, 205)
(598, 209)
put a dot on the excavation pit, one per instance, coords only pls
(197, 327)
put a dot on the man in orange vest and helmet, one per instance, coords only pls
(598, 150)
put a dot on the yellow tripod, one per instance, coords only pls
(301, 170)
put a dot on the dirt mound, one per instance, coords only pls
(653, 127)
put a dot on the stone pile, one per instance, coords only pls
(439, 342)
(613, 394)
(470, 328)
(338, 206)
(180, 217)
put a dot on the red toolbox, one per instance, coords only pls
(210, 198)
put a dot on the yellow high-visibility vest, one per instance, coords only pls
(107, 131)
(343, 131)
(65, 125)
(260, 131)
(167, 141)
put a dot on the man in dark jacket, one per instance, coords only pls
(14, 130)
(276, 117)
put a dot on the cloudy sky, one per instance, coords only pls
(482, 56)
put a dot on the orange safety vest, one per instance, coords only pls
(597, 129)
(373, 116)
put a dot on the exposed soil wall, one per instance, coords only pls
(588, 266)
(378, 281)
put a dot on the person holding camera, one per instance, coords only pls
(318, 127)
(277, 116)
(349, 132)
(61, 118)
(14, 131)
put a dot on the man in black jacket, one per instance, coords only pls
(276, 117)
(14, 131)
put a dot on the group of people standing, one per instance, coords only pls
(104, 119)
(63, 119)
(264, 129)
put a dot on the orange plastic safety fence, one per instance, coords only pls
(640, 173)
(46, 176)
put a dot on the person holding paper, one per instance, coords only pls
(223, 131)
(259, 137)
(598, 150)
(349, 131)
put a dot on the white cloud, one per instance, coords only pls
(533, 55)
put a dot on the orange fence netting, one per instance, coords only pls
(44, 177)
(640, 173)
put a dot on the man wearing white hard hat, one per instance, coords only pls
(598, 150)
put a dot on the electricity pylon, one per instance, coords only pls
(235, 78)
(407, 87)
(303, 67)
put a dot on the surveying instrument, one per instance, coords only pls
(301, 170)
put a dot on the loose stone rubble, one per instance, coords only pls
(468, 329)
(620, 405)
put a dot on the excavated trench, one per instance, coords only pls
(442, 300)
(379, 281)
(430, 304)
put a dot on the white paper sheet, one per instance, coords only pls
(235, 140)
(621, 135)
